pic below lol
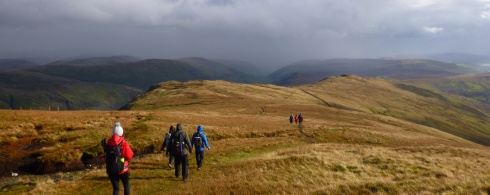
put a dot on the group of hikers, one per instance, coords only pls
(176, 145)
(298, 119)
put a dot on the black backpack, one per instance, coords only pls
(178, 144)
(113, 159)
(198, 142)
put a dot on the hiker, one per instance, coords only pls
(199, 140)
(291, 118)
(180, 148)
(300, 118)
(166, 142)
(296, 119)
(118, 154)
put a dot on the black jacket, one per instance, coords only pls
(179, 135)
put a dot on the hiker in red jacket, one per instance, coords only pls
(296, 119)
(125, 152)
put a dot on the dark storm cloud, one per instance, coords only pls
(261, 31)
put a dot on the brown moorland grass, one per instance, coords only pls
(448, 113)
(254, 149)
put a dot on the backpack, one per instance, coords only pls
(198, 142)
(167, 139)
(178, 145)
(113, 159)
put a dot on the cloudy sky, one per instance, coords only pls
(264, 32)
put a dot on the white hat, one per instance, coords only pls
(117, 129)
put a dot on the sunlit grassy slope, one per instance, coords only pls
(347, 145)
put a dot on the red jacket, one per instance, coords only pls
(126, 151)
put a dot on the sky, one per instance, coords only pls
(262, 32)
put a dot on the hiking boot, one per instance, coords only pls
(198, 168)
(185, 179)
(170, 165)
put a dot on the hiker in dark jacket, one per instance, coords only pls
(166, 142)
(180, 147)
(199, 141)
(291, 118)
(127, 154)
(300, 118)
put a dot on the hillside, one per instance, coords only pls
(122, 73)
(348, 144)
(460, 58)
(96, 61)
(29, 90)
(315, 70)
(475, 86)
(15, 64)
(145, 73)
(243, 66)
(454, 115)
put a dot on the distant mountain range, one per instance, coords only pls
(459, 58)
(15, 64)
(315, 70)
(82, 83)
(31, 90)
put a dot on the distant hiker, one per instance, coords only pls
(180, 147)
(118, 154)
(300, 118)
(296, 119)
(166, 142)
(291, 118)
(199, 140)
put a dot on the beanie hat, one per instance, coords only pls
(117, 129)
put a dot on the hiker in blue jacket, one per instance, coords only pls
(199, 140)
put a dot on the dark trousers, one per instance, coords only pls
(184, 160)
(171, 159)
(199, 158)
(115, 182)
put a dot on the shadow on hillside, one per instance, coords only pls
(149, 166)
(134, 176)
(138, 177)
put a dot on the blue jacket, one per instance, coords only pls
(200, 130)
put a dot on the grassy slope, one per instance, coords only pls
(472, 86)
(450, 114)
(30, 90)
(254, 148)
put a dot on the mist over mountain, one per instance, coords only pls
(15, 63)
(460, 58)
(145, 73)
(243, 66)
(96, 61)
(311, 71)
